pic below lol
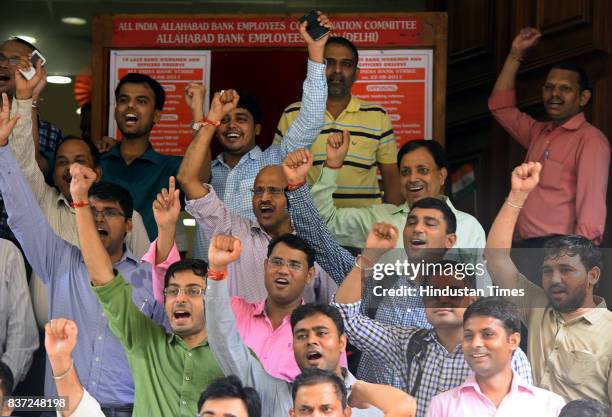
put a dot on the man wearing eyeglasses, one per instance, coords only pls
(269, 205)
(170, 370)
(99, 356)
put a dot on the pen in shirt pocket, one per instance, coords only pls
(546, 154)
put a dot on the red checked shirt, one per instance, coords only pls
(575, 157)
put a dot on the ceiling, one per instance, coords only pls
(67, 47)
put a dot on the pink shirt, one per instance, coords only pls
(273, 347)
(522, 400)
(571, 195)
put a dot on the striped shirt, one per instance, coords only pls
(372, 143)
(18, 334)
(442, 370)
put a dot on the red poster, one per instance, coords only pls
(399, 80)
(158, 32)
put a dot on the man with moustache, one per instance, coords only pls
(170, 370)
(429, 232)
(234, 170)
(575, 156)
(570, 338)
(318, 341)
(372, 140)
(99, 356)
(430, 361)
(423, 171)
(214, 216)
(491, 336)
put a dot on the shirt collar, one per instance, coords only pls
(260, 309)
(591, 317)
(149, 154)
(518, 384)
(173, 339)
(353, 105)
(574, 123)
(253, 154)
(441, 197)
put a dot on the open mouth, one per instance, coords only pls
(415, 188)
(5, 77)
(281, 282)
(478, 357)
(418, 242)
(266, 209)
(313, 356)
(67, 177)
(181, 316)
(102, 232)
(233, 135)
(131, 118)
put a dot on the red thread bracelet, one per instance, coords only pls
(217, 275)
(295, 186)
(79, 204)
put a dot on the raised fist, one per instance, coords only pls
(60, 337)
(526, 39)
(296, 165)
(194, 97)
(525, 177)
(82, 178)
(337, 148)
(222, 103)
(223, 250)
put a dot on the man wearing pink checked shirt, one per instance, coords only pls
(491, 335)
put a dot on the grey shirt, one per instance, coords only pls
(235, 358)
(18, 333)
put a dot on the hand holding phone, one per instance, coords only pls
(314, 28)
(29, 73)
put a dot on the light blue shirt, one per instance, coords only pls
(99, 357)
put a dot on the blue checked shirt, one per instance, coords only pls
(233, 185)
(442, 370)
(338, 262)
(99, 356)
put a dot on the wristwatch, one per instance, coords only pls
(196, 126)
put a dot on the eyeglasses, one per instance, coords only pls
(12, 61)
(107, 212)
(258, 191)
(191, 291)
(279, 263)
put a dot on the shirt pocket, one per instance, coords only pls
(577, 366)
(551, 175)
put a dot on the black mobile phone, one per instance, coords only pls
(314, 28)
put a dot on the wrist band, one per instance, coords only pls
(513, 205)
(79, 204)
(358, 263)
(217, 275)
(295, 186)
(331, 167)
(62, 376)
(34, 104)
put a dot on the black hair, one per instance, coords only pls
(93, 149)
(137, 78)
(23, 42)
(197, 266)
(498, 308)
(294, 242)
(249, 102)
(437, 204)
(435, 149)
(583, 79)
(107, 191)
(6, 382)
(316, 376)
(310, 309)
(339, 40)
(231, 387)
(572, 245)
(585, 408)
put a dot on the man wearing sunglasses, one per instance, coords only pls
(429, 360)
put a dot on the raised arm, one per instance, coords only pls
(198, 152)
(525, 40)
(525, 177)
(232, 355)
(96, 257)
(60, 340)
(391, 401)
(307, 222)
